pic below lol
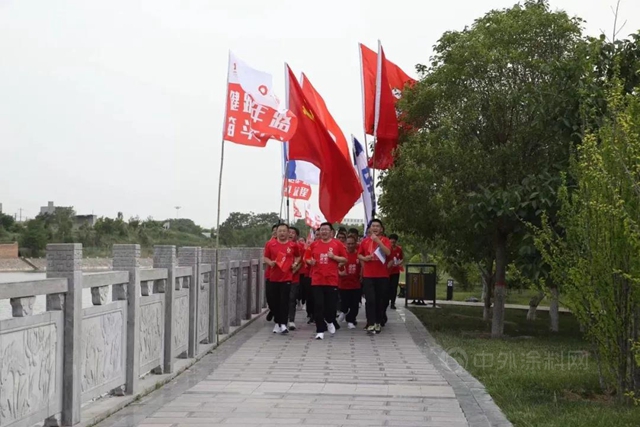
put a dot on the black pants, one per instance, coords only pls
(325, 299)
(394, 280)
(269, 294)
(302, 292)
(350, 303)
(293, 298)
(279, 304)
(305, 283)
(376, 292)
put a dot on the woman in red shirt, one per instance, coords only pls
(349, 284)
(283, 257)
(373, 252)
(396, 259)
(326, 255)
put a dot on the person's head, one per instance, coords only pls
(326, 231)
(351, 243)
(393, 238)
(376, 227)
(301, 240)
(282, 232)
(342, 230)
(273, 230)
(342, 236)
(355, 232)
(294, 234)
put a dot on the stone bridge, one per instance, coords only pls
(138, 330)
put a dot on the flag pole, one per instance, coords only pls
(364, 129)
(286, 103)
(215, 272)
(376, 119)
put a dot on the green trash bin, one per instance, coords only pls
(420, 283)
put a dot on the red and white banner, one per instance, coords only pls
(296, 211)
(312, 218)
(299, 190)
(253, 114)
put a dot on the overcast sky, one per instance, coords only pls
(118, 105)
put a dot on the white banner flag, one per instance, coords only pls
(368, 195)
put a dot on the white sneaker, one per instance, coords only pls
(283, 329)
(292, 326)
(331, 327)
(299, 305)
(351, 326)
(320, 336)
(341, 317)
(276, 329)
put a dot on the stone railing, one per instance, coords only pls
(139, 325)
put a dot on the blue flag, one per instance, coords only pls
(368, 194)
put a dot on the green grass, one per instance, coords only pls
(537, 378)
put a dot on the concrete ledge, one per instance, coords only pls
(98, 410)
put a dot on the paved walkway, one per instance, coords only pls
(257, 378)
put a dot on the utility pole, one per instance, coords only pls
(178, 211)
(20, 214)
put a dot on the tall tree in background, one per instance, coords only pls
(495, 112)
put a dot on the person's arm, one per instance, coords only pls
(266, 258)
(401, 260)
(385, 249)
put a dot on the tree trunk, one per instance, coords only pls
(554, 314)
(486, 296)
(500, 291)
(534, 302)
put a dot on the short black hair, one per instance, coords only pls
(328, 224)
(379, 221)
(351, 236)
(341, 233)
(342, 229)
(282, 224)
(393, 236)
(275, 226)
(296, 230)
(354, 231)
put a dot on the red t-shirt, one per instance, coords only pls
(267, 269)
(352, 268)
(284, 254)
(374, 268)
(325, 270)
(397, 255)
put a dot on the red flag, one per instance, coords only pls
(340, 188)
(253, 114)
(397, 78)
(386, 119)
(325, 117)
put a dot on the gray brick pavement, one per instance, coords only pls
(258, 378)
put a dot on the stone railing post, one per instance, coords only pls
(164, 256)
(190, 257)
(235, 276)
(127, 258)
(223, 297)
(64, 260)
(254, 288)
(209, 257)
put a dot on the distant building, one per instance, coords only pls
(78, 220)
(353, 221)
(0, 208)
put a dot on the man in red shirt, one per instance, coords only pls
(267, 284)
(396, 259)
(349, 284)
(283, 257)
(373, 252)
(326, 255)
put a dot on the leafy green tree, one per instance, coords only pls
(7, 222)
(596, 256)
(494, 115)
(35, 237)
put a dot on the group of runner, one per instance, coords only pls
(330, 275)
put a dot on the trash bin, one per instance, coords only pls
(449, 289)
(420, 283)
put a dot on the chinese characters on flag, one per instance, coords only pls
(253, 113)
(297, 190)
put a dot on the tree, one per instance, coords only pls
(494, 115)
(247, 229)
(34, 237)
(7, 222)
(596, 255)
